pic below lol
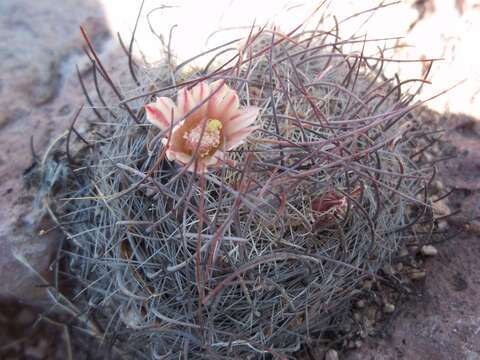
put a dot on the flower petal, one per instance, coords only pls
(215, 159)
(189, 99)
(159, 113)
(201, 168)
(200, 92)
(224, 103)
(244, 119)
(238, 137)
(185, 101)
(171, 155)
(178, 156)
(183, 159)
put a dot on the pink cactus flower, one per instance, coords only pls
(217, 126)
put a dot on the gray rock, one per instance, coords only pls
(331, 355)
(429, 250)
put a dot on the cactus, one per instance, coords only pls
(264, 253)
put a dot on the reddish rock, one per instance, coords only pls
(41, 43)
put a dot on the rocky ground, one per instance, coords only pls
(441, 318)
(39, 93)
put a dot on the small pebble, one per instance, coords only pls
(150, 191)
(428, 157)
(438, 185)
(367, 284)
(442, 224)
(389, 308)
(388, 269)
(358, 344)
(417, 275)
(331, 355)
(403, 252)
(441, 208)
(429, 250)
(399, 267)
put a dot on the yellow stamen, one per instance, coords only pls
(207, 143)
(214, 124)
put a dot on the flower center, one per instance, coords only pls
(207, 142)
